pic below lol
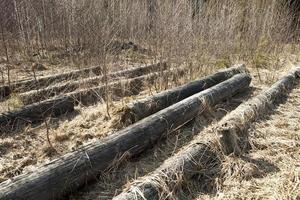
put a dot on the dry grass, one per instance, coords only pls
(76, 33)
(111, 183)
(257, 32)
(271, 169)
(221, 181)
(71, 131)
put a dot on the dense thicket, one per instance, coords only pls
(172, 27)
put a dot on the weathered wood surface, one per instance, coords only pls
(195, 157)
(67, 173)
(4, 92)
(31, 84)
(200, 155)
(70, 86)
(61, 104)
(35, 113)
(140, 109)
(231, 128)
(117, 89)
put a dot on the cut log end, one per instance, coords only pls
(4, 92)
(127, 116)
(229, 141)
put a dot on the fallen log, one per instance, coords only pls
(69, 172)
(32, 84)
(118, 89)
(201, 156)
(70, 86)
(231, 129)
(61, 104)
(35, 113)
(140, 109)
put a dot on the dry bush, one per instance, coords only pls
(172, 28)
(190, 32)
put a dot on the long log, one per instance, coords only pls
(231, 128)
(70, 86)
(140, 109)
(120, 88)
(32, 84)
(196, 157)
(69, 172)
(35, 113)
(65, 103)
(200, 155)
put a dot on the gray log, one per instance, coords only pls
(47, 80)
(118, 89)
(200, 155)
(35, 113)
(197, 156)
(231, 128)
(70, 86)
(59, 105)
(69, 172)
(140, 109)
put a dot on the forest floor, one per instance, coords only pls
(270, 170)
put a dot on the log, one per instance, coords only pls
(117, 89)
(35, 113)
(196, 157)
(140, 109)
(59, 105)
(32, 84)
(70, 86)
(232, 128)
(201, 155)
(67, 173)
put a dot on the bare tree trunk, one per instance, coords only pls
(152, 12)
(6, 51)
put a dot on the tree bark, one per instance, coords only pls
(28, 85)
(69, 172)
(70, 86)
(142, 108)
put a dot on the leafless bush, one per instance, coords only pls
(171, 28)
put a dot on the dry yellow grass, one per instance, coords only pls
(256, 32)
(271, 170)
(71, 131)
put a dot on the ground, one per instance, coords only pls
(270, 170)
